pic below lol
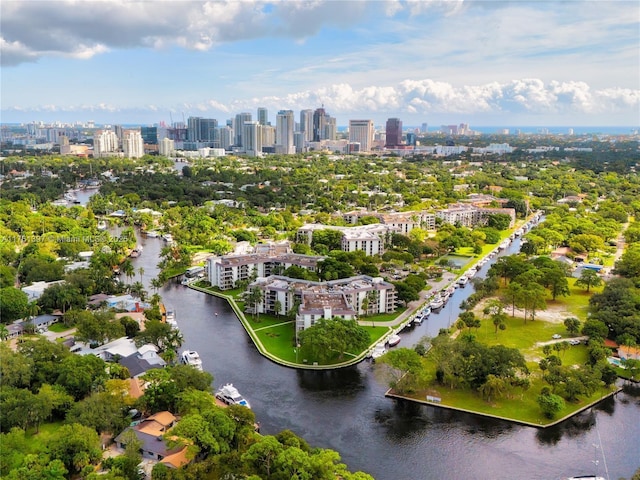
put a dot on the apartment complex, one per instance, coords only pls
(345, 298)
(371, 239)
(403, 222)
(471, 215)
(227, 270)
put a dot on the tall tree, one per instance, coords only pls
(588, 278)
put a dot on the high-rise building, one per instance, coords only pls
(361, 131)
(202, 129)
(284, 132)
(252, 138)
(105, 143)
(306, 124)
(424, 128)
(263, 116)
(393, 132)
(268, 135)
(238, 127)
(330, 128)
(299, 141)
(166, 147)
(132, 144)
(319, 121)
(149, 135)
(226, 137)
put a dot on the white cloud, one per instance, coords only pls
(425, 97)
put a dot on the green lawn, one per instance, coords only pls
(59, 327)
(279, 340)
(384, 317)
(578, 302)
(518, 335)
(37, 441)
(521, 406)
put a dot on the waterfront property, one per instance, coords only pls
(150, 432)
(344, 298)
(225, 271)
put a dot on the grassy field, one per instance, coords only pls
(519, 406)
(279, 339)
(384, 317)
(578, 301)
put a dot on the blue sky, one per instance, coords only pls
(478, 62)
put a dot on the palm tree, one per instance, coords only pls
(141, 272)
(128, 269)
(4, 332)
(253, 299)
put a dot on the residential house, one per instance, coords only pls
(151, 433)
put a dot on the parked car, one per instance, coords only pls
(574, 342)
(556, 336)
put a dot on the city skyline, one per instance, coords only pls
(479, 62)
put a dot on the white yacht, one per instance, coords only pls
(436, 302)
(170, 319)
(463, 280)
(230, 395)
(191, 357)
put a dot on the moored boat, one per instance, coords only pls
(393, 340)
(230, 395)
(436, 302)
(191, 357)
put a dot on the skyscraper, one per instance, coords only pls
(319, 121)
(263, 116)
(238, 127)
(149, 135)
(330, 128)
(306, 124)
(252, 138)
(394, 132)
(284, 132)
(361, 131)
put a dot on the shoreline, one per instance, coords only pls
(389, 394)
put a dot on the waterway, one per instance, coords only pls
(346, 410)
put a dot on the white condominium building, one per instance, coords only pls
(105, 143)
(344, 298)
(470, 215)
(132, 144)
(371, 239)
(285, 125)
(227, 270)
(166, 147)
(404, 222)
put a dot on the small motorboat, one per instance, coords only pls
(393, 340)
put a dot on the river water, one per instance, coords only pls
(346, 410)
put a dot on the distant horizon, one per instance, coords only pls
(484, 129)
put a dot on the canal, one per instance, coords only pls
(346, 410)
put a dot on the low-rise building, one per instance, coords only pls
(151, 433)
(470, 215)
(371, 239)
(225, 271)
(343, 298)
